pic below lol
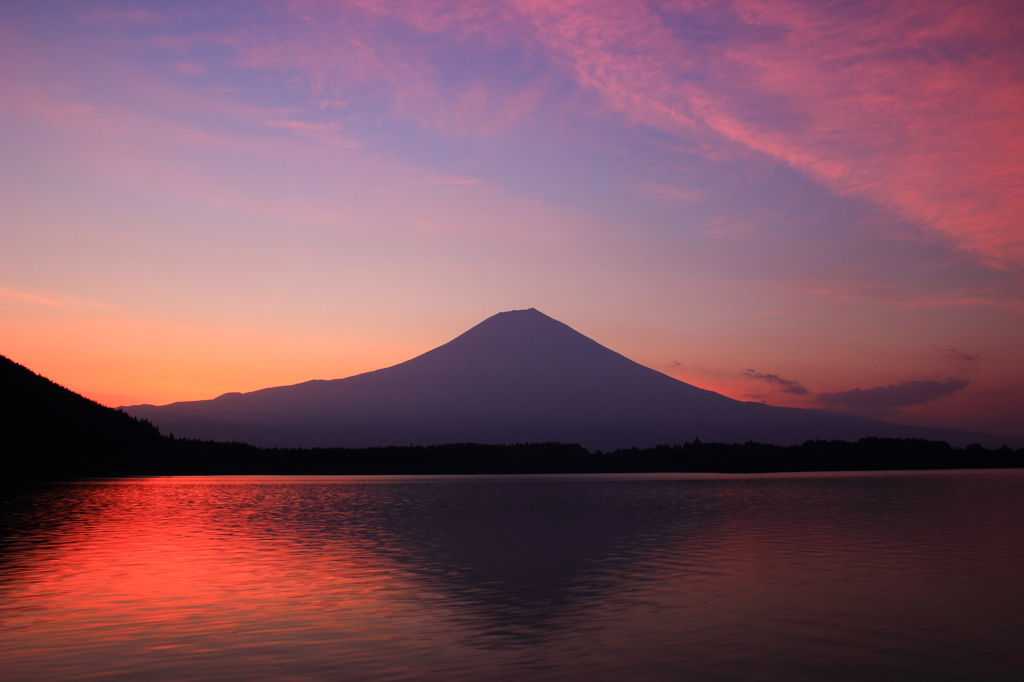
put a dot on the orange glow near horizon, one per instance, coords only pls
(163, 362)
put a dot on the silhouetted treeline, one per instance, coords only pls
(50, 433)
(204, 457)
(191, 457)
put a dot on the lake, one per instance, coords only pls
(882, 576)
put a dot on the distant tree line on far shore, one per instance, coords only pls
(176, 457)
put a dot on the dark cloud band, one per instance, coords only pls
(903, 394)
(785, 385)
(959, 355)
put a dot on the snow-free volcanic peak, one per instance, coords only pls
(518, 376)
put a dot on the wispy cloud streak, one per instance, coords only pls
(959, 355)
(784, 385)
(909, 104)
(904, 394)
(58, 301)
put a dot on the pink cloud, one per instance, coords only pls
(136, 16)
(878, 104)
(154, 154)
(495, 22)
(850, 291)
(937, 141)
(189, 68)
(349, 52)
(49, 300)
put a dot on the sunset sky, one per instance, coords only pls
(783, 201)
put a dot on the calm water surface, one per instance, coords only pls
(799, 577)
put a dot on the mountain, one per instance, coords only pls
(518, 376)
(48, 431)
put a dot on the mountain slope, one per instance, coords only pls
(518, 376)
(48, 431)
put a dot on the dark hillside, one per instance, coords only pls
(47, 431)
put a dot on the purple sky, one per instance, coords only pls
(806, 204)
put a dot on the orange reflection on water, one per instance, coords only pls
(167, 570)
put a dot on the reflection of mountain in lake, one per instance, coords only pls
(520, 553)
(517, 377)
